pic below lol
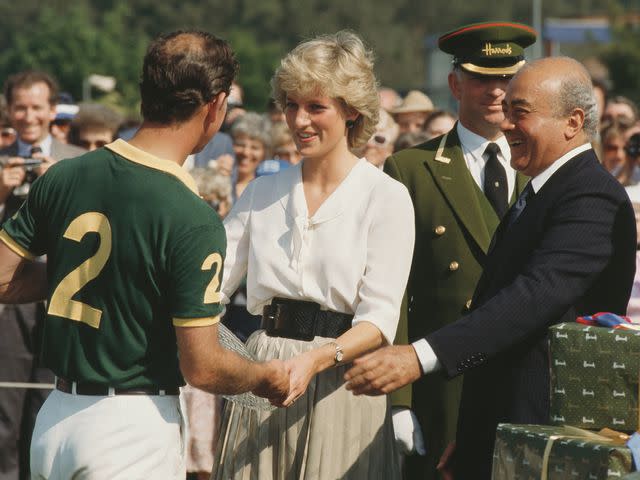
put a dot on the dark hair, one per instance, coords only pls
(625, 101)
(183, 71)
(27, 79)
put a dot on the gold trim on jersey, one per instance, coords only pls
(136, 155)
(196, 322)
(15, 246)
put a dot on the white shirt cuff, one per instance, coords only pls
(427, 358)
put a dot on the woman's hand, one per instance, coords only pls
(302, 369)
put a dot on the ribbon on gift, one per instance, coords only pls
(608, 320)
(634, 440)
(605, 435)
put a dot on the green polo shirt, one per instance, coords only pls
(132, 251)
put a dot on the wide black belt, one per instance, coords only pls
(82, 388)
(303, 320)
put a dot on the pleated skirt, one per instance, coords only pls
(327, 434)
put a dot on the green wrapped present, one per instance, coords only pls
(542, 452)
(594, 377)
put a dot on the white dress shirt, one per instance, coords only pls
(473, 147)
(427, 358)
(24, 149)
(352, 256)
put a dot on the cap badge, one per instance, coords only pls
(490, 50)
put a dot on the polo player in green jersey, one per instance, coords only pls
(134, 263)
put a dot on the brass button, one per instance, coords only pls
(468, 304)
(440, 229)
(453, 266)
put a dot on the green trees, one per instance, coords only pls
(73, 39)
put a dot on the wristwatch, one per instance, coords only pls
(339, 353)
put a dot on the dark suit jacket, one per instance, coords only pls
(571, 252)
(451, 229)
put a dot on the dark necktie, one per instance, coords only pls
(495, 181)
(518, 207)
(35, 149)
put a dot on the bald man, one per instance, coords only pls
(565, 248)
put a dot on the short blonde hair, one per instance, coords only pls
(337, 66)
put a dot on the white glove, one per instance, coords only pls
(407, 431)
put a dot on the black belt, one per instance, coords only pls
(303, 320)
(67, 386)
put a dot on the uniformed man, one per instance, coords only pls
(134, 266)
(461, 185)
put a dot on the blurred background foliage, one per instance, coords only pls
(72, 39)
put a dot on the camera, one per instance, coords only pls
(30, 165)
(632, 147)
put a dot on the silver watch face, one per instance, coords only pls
(339, 356)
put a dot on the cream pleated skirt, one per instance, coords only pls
(328, 434)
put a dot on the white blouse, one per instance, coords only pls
(352, 256)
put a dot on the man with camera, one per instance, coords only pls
(31, 99)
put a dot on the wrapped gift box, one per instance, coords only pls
(594, 377)
(542, 452)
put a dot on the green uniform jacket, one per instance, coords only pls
(454, 226)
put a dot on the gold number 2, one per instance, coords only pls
(211, 294)
(61, 304)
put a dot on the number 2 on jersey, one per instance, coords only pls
(211, 294)
(61, 304)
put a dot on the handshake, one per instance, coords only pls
(284, 381)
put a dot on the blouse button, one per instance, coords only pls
(453, 266)
(440, 229)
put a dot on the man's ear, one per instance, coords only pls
(454, 84)
(218, 105)
(574, 124)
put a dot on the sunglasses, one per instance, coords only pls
(7, 132)
(379, 140)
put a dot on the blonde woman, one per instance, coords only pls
(327, 245)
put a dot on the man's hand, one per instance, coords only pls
(11, 177)
(383, 371)
(275, 382)
(407, 431)
(46, 163)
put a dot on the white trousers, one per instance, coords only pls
(130, 437)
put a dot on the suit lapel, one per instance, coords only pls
(452, 176)
(521, 182)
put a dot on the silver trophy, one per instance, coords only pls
(229, 341)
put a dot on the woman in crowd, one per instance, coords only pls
(251, 134)
(613, 138)
(327, 245)
(439, 123)
(380, 145)
(284, 148)
(94, 126)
